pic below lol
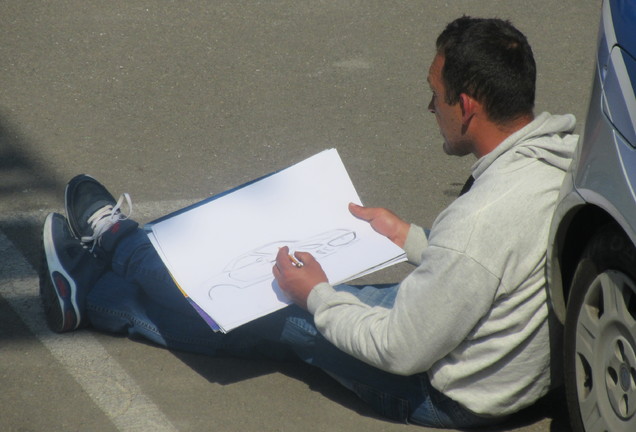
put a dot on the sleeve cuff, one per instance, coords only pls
(318, 296)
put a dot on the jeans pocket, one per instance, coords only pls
(387, 405)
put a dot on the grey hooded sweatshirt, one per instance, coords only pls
(473, 314)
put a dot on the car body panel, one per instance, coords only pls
(592, 249)
(600, 182)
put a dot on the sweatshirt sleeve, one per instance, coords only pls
(416, 242)
(436, 308)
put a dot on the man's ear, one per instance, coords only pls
(469, 107)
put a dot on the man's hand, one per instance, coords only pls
(297, 281)
(384, 222)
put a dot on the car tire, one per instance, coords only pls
(600, 333)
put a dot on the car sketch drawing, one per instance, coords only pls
(256, 265)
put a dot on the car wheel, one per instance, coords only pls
(600, 336)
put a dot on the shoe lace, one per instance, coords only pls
(104, 218)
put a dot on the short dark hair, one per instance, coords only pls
(492, 62)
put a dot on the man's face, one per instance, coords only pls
(449, 117)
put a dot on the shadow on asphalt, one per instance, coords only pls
(18, 170)
(22, 174)
(26, 235)
(226, 371)
(551, 407)
(230, 370)
(21, 171)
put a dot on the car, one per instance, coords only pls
(591, 252)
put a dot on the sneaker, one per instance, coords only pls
(68, 271)
(92, 211)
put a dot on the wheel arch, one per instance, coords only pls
(575, 230)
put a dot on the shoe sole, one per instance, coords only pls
(57, 288)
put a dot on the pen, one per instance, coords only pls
(295, 261)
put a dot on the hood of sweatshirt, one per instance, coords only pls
(557, 152)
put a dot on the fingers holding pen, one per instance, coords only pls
(285, 261)
(297, 274)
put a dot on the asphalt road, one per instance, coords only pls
(174, 101)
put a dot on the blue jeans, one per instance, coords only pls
(137, 297)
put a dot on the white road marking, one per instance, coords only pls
(110, 387)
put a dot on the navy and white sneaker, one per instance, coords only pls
(68, 272)
(95, 217)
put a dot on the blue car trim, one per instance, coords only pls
(618, 75)
(624, 18)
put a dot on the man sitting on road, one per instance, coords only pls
(462, 341)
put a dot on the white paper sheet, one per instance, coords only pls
(221, 252)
